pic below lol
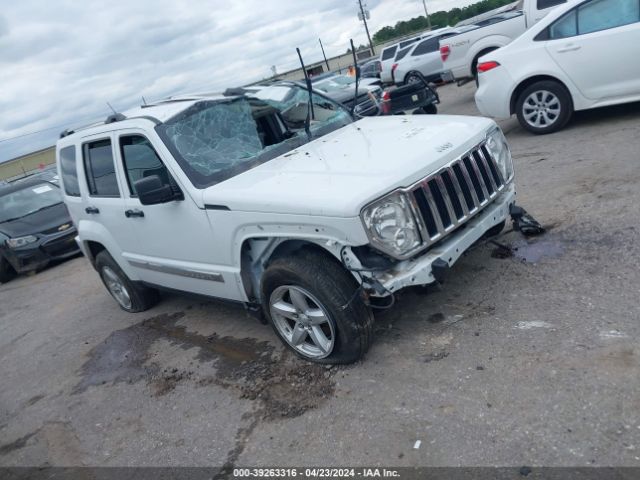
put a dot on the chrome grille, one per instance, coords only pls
(456, 193)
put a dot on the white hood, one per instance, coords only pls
(338, 174)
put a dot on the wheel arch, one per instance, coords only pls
(482, 52)
(257, 253)
(524, 84)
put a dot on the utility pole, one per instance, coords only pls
(366, 27)
(424, 3)
(325, 57)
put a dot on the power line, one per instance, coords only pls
(47, 129)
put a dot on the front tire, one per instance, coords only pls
(314, 308)
(7, 272)
(544, 107)
(129, 296)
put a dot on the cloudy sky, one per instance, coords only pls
(61, 61)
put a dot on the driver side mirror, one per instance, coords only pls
(151, 191)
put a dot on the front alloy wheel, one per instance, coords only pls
(302, 321)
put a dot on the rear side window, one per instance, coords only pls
(140, 161)
(389, 52)
(565, 27)
(100, 169)
(594, 16)
(427, 46)
(69, 171)
(604, 14)
(542, 4)
(402, 53)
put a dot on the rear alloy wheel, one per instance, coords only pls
(6, 271)
(414, 78)
(131, 297)
(544, 107)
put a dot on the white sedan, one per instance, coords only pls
(584, 54)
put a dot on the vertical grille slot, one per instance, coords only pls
(484, 172)
(474, 178)
(494, 171)
(440, 203)
(453, 195)
(425, 210)
(464, 186)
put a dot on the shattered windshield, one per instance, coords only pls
(214, 140)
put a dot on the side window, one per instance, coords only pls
(402, 53)
(69, 171)
(566, 26)
(389, 53)
(427, 46)
(100, 169)
(543, 4)
(140, 161)
(604, 14)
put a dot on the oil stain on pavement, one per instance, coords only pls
(283, 386)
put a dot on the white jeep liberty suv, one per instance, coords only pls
(301, 212)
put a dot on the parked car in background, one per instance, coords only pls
(341, 88)
(255, 200)
(422, 61)
(388, 54)
(584, 55)
(460, 53)
(371, 69)
(35, 227)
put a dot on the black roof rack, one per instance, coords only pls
(116, 117)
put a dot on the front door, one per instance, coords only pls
(175, 248)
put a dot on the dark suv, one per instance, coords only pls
(35, 227)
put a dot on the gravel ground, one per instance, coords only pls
(525, 356)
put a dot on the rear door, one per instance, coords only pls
(597, 44)
(103, 211)
(425, 57)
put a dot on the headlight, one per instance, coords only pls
(499, 149)
(21, 241)
(391, 226)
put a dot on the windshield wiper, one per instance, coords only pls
(30, 213)
(310, 112)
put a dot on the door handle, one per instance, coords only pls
(569, 48)
(134, 213)
(92, 210)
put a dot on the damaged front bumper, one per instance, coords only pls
(426, 268)
(39, 254)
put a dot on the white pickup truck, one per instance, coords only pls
(460, 53)
(310, 217)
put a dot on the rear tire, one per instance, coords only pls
(544, 107)
(335, 316)
(7, 272)
(414, 77)
(130, 297)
